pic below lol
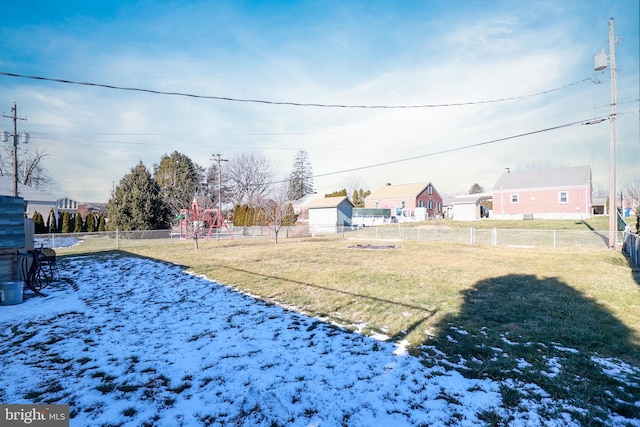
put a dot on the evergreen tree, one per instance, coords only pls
(90, 222)
(339, 193)
(476, 189)
(136, 204)
(301, 177)
(78, 223)
(66, 222)
(51, 222)
(102, 226)
(178, 180)
(359, 196)
(38, 222)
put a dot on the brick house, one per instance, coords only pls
(419, 201)
(564, 193)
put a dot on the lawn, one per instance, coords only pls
(555, 319)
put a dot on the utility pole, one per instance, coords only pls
(25, 139)
(613, 211)
(600, 62)
(219, 159)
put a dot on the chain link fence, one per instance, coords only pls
(527, 238)
(631, 246)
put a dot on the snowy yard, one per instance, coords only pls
(129, 341)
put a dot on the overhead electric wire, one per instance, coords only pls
(591, 121)
(295, 104)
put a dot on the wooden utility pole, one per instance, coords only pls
(219, 159)
(25, 139)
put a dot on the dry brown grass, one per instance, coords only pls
(410, 288)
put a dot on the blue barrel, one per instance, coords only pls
(11, 292)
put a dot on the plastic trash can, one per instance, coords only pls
(11, 292)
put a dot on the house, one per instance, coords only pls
(564, 193)
(419, 201)
(301, 206)
(326, 215)
(35, 200)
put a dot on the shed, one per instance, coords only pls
(326, 215)
(467, 206)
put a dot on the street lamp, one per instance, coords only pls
(24, 138)
(600, 63)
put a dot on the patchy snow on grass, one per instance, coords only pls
(142, 342)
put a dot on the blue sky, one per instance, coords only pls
(536, 54)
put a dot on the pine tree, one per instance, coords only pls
(38, 222)
(102, 226)
(66, 223)
(476, 189)
(301, 177)
(51, 221)
(78, 223)
(339, 193)
(136, 204)
(90, 222)
(359, 196)
(178, 180)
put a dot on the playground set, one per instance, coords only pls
(193, 222)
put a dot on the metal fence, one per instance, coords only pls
(631, 246)
(550, 239)
(526, 238)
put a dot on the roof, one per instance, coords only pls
(564, 177)
(328, 202)
(399, 191)
(27, 193)
(304, 201)
(471, 198)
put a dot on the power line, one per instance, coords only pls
(592, 121)
(295, 104)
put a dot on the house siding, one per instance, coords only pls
(543, 203)
(327, 219)
(411, 202)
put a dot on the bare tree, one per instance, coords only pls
(249, 176)
(199, 218)
(31, 170)
(276, 209)
(632, 189)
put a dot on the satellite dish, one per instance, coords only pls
(600, 61)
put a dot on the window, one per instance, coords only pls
(377, 204)
(429, 189)
(429, 205)
(514, 198)
(403, 205)
(438, 207)
(563, 197)
(421, 203)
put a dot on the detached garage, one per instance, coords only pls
(467, 207)
(328, 214)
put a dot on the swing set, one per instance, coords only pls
(193, 222)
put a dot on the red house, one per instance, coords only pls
(419, 201)
(544, 194)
